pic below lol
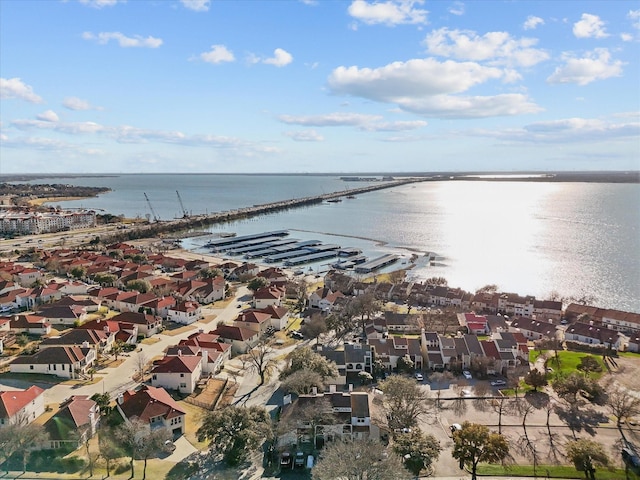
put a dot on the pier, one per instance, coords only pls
(205, 220)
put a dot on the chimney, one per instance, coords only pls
(120, 399)
(332, 388)
(314, 391)
(351, 387)
(179, 352)
(205, 356)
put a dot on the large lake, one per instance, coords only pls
(532, 238)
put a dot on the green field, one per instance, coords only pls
(567, 362)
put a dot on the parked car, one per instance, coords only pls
(631, 459)
(467, 374)
(498, 383)
(418, 376)
(285, 460)
(455, 427)
(300, 459)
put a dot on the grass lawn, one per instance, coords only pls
(568, 362)
(193, 421)
(548, 471)
(149, 341)
(534, 354)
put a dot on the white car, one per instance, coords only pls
(467, 374)
(418, 376)
(498, 383)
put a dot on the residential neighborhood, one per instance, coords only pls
(162, 339)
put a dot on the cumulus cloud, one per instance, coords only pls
(75, 103)
(457, 8)
(498, 47)
(49, 145)
(595, 65)
(305, 136)
(48, 116)
(217, 54)
(126, 42)
(196, 5)
(415, 78)
(280, 58)
(391, 12)
(101, 3)
(569, 130)
(590, 26)
(532, 22)
(71, 128)
(634, 16)
(329, 120)
(16, 88)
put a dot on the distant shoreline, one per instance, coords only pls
(524, 176)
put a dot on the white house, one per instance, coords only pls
(180, 372)
(66, 362)
(185, 313)
(21, 406)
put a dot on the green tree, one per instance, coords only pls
(235, 431)
(419, 450)
(104, 403)
(305, 358)
(474, 444)
(405, 364)
(117, 348)
(256, 283)
(589, 364)
(536, 379)
(78, 272)
(210, 273)
(142, 286)
(359, 460)
(105, 279)
(586, 455)
(403, 402)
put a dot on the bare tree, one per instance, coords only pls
(404, 402)
(622, 404)
(138, 441)
(141, 365)
(261, 360)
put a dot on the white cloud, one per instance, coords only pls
(532, 22)
(626, 37)
(16, 88)
(196, 5)
(399, 126)
(48, 116)
(71, 128)
(595, 65)
(457, 8)
(217, 54)
(75, 103)
(280, 58)
(590, 26)
(449, 106)
(634, 16)
(101, 3)
(417, 78)
(329, 120)
(391, 12)
(305, 136)
(126, 42)
(569, 130)
(49, 145)
(499, 47)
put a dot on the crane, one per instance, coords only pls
(155, 217)
(185, 214)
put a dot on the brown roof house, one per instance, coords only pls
(76, 421)
(66, 362)
(153, 406)
(240, 338)
(179, 372)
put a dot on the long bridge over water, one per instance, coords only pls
(205, 220)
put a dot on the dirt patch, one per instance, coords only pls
(177, 331)
(628, 371)
(149, 341)
(207, 319)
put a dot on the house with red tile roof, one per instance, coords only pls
(153, 406)
(324, 299)
(100, 340)
(21, 406)
(267, 296)
(160, 306)
(179, 372)
(186, 312)
(279, 316)
(65, 362)
(254, 320)
(476, 324)
(75, 422)
(124, 332)
(217, 351)
(148, 325)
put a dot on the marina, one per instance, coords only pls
(275, 247)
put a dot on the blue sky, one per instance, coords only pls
(318, 86)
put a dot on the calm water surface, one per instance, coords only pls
(526, 237)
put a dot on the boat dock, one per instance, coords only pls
(235, 241)
(376, 264)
